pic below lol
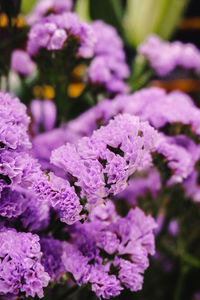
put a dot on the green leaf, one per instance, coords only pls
(153, 16)
(82, 9)
(109, 11)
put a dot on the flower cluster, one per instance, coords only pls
(78, 184)
(45, 7)
(93, 169)
(20, 267)
(172, 114)
(54, 31)
(111, 251)
(21, 62)
(107, 158)
(164, 57)
(108, 68)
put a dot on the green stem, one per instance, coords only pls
(141, 73)
(70, 292)
(191, 260)
(180, 283)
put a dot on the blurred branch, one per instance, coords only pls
(179, 288)
(27, 5)
(82, 8)
(160, 17)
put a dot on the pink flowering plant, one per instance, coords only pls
(99, 168)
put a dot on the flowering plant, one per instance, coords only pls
(99, 171)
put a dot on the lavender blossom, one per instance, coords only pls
(20, 267)
(164, 57)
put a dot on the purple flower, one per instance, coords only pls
(173, 227)
(107, 158)
(108, 67)
(139, 186)
(179, 159)
(13, 123)
(12, 203)
(21, 62)
(53, 31)
(191, 186)
(164, 57)
(63, 199)
(129, 275)
(150, 104)
(105, 285)
(20, 267)
(94, 254)
(36, 215)
(44, 7)
(44, 113)
(45, 142)
(19, 168)
(52, 257)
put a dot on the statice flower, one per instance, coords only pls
(45, 7)
(164, 56)
(140, 186)
(52, 257)
(36, 215)
(21, 62)
(63, 199)
(173, 227)
(100, 165)
(160, 108)
(18, 167)
(54, 31)
(20, 170)
(20, 267)
(192, 186)
(48, 188)
(181, 155)
(13, 123)
(12, 203)
(108, 67)
(44, 143)
(154, 105)
(44, 114)
(109, 251)
(87, 122)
